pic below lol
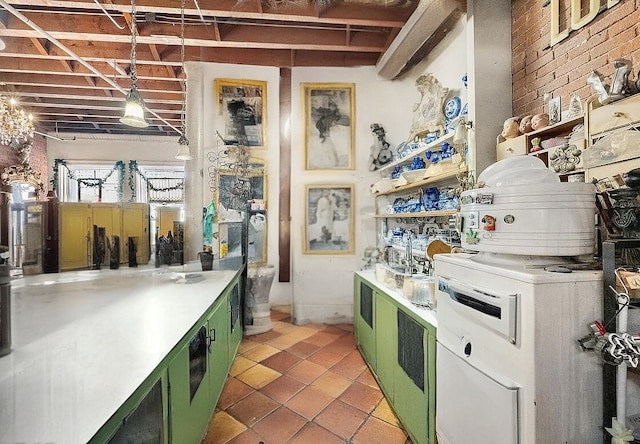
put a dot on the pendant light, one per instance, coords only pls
(134, 105)
(183, 142)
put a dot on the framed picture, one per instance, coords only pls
(230, 189)
(243, 106)
(329, 111)
(231, 195)
(329, 219)
(555, 110)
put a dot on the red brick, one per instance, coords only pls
(564, 68)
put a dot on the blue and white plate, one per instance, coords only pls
(452, 108)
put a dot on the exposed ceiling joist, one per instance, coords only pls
(68, 60)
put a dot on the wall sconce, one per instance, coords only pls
(134, 105)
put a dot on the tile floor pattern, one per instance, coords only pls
(302, 385)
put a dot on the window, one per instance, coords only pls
(89, 183)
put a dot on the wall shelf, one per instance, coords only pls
(436, 143)
(429, 180)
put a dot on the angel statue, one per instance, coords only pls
(428, 113)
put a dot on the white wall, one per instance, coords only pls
(107, 147)
(323, 284)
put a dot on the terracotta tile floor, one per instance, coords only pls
(302, 385)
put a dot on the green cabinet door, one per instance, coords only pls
(430, 369)
(189, 398)
(414, 388)
(400, 348)
(364, 321)
(235, 321)
(386, 342)
(218, 323)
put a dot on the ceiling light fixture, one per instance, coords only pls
(15, 124)
(183, 142)
(134, 105)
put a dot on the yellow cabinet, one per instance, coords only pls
(76, 221)
(165, 217)
(74, 235)
(135, 223)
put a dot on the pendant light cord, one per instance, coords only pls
(134, 30)
(183, 73)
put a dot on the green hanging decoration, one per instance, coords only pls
(89, 182)
(133, 169)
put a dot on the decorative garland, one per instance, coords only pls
(90, 182)
(133, 169)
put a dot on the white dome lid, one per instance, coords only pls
(517, 170)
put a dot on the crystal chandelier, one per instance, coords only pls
(183, 142)
(15, 124)
(134, 105)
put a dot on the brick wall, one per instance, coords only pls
(562, 69)
(37, 159)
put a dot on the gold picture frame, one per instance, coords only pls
(329, 125)
(243, 107)
(329, 219)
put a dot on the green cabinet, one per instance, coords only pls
(386, 335)
(399, 347)
(198, 373)
(364, 321)
(235, 320)
(414, 381)
(142, 418)
(218, 359)
(175, 403)
(189, 406)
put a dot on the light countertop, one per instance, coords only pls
(427, 314)
(83, 342)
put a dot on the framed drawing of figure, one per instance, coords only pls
(329, 111)
(242, 105)
(329, 219)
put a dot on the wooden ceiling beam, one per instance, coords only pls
(49, 81)
(268, 38)
(158, 58)
(92, 98)
(70, 89)
(359, 13)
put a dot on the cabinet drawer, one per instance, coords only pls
(511, 147)
(615, 115)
